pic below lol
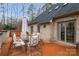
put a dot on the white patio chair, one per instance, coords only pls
(34, 43)
(38, 36)
(18, 42)
(40, 40)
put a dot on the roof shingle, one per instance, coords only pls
(60, 11)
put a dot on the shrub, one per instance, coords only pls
(9, 27)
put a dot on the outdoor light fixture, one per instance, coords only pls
(51, 21)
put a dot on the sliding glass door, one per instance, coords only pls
(63, 32)
(67, 31)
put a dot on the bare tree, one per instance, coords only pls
(3, 13)
(46, 6)
(31, 11)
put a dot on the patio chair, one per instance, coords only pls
(18, 42)
(40, 40)
(36, 34)
(33, 45)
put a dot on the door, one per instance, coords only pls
(31, 29)
(38, 28)
(67, 31)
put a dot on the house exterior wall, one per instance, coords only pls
(50, 32)
(46, 32)
(29, 29)
(34, 28)
(55, 36)
(77, 30)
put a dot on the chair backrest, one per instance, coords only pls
(38, 36)
(34, 33)
(14, 38)
(24, 36)
(34, 40)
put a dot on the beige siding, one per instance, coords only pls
(77, 30)
(34, 28)
(46, 33)
(50, 32)
(29, 29)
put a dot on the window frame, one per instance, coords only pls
(59, 38)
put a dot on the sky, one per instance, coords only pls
(16, 9)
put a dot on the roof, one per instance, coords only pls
(67, 9)
(55, 11)
(32, 22)
(44, 17)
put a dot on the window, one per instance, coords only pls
(62, 31)
(38, 28)
(67, 31)
(31, 29)
(70, 30)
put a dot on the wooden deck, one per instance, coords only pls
(48, 49)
